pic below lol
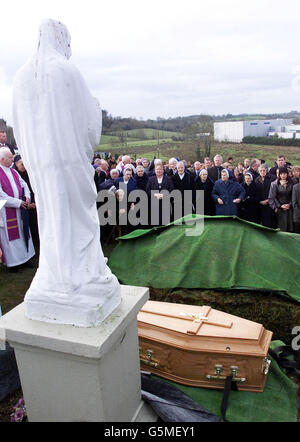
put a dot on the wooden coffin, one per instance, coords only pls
(200, 346)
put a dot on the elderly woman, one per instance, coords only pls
(227, 194)
(155, 187)
(110, 182)
(239, 176)
(113, 174)
(280, 200)
(126, 182)
(203, 182)
(141, 178)
(249, 208)
(263, 184)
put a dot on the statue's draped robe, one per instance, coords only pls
(57, 125)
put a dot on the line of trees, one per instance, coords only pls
(272, 141)
(188, 124)
(112, 124)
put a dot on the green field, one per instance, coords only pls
(142, 134)
(136, 138)
(136, 143)
(188, 151)
(152, 143)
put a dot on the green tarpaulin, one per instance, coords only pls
(229, 254)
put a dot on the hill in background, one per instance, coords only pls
(189, 138)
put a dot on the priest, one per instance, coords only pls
(17, 246)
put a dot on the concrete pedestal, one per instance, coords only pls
(71, 374)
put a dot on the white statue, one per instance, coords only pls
(57, 124)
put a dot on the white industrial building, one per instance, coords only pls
(235, 131)
(289, 131)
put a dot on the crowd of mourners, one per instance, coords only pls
(248, 189)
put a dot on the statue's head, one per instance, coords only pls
(54, 35)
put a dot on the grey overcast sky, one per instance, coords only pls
(167, 58)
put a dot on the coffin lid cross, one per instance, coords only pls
(196, 319)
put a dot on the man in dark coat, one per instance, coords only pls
(214, 172)
(196, 171)
(253, 169)
(280, 162)
(155, 187)
(3, 142)
(172, 167)
(183, 181)
(227, 194)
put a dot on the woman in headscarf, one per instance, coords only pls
(203, 182)
(227, 194)
(280, 199)
(249, 208)
(127, 182)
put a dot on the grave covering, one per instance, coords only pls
(235, 266)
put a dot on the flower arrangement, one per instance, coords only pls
(19, 415)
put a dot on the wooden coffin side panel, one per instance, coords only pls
(211, 344)
(191, 368)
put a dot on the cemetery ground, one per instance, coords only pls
(13, 288)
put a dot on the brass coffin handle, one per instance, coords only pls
(266, 365)
(149, 361)
(219, 377)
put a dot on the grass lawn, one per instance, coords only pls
(135, 138)
(14, 285)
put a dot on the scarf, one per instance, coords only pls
(11, 213)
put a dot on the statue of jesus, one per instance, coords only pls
(57, 125)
